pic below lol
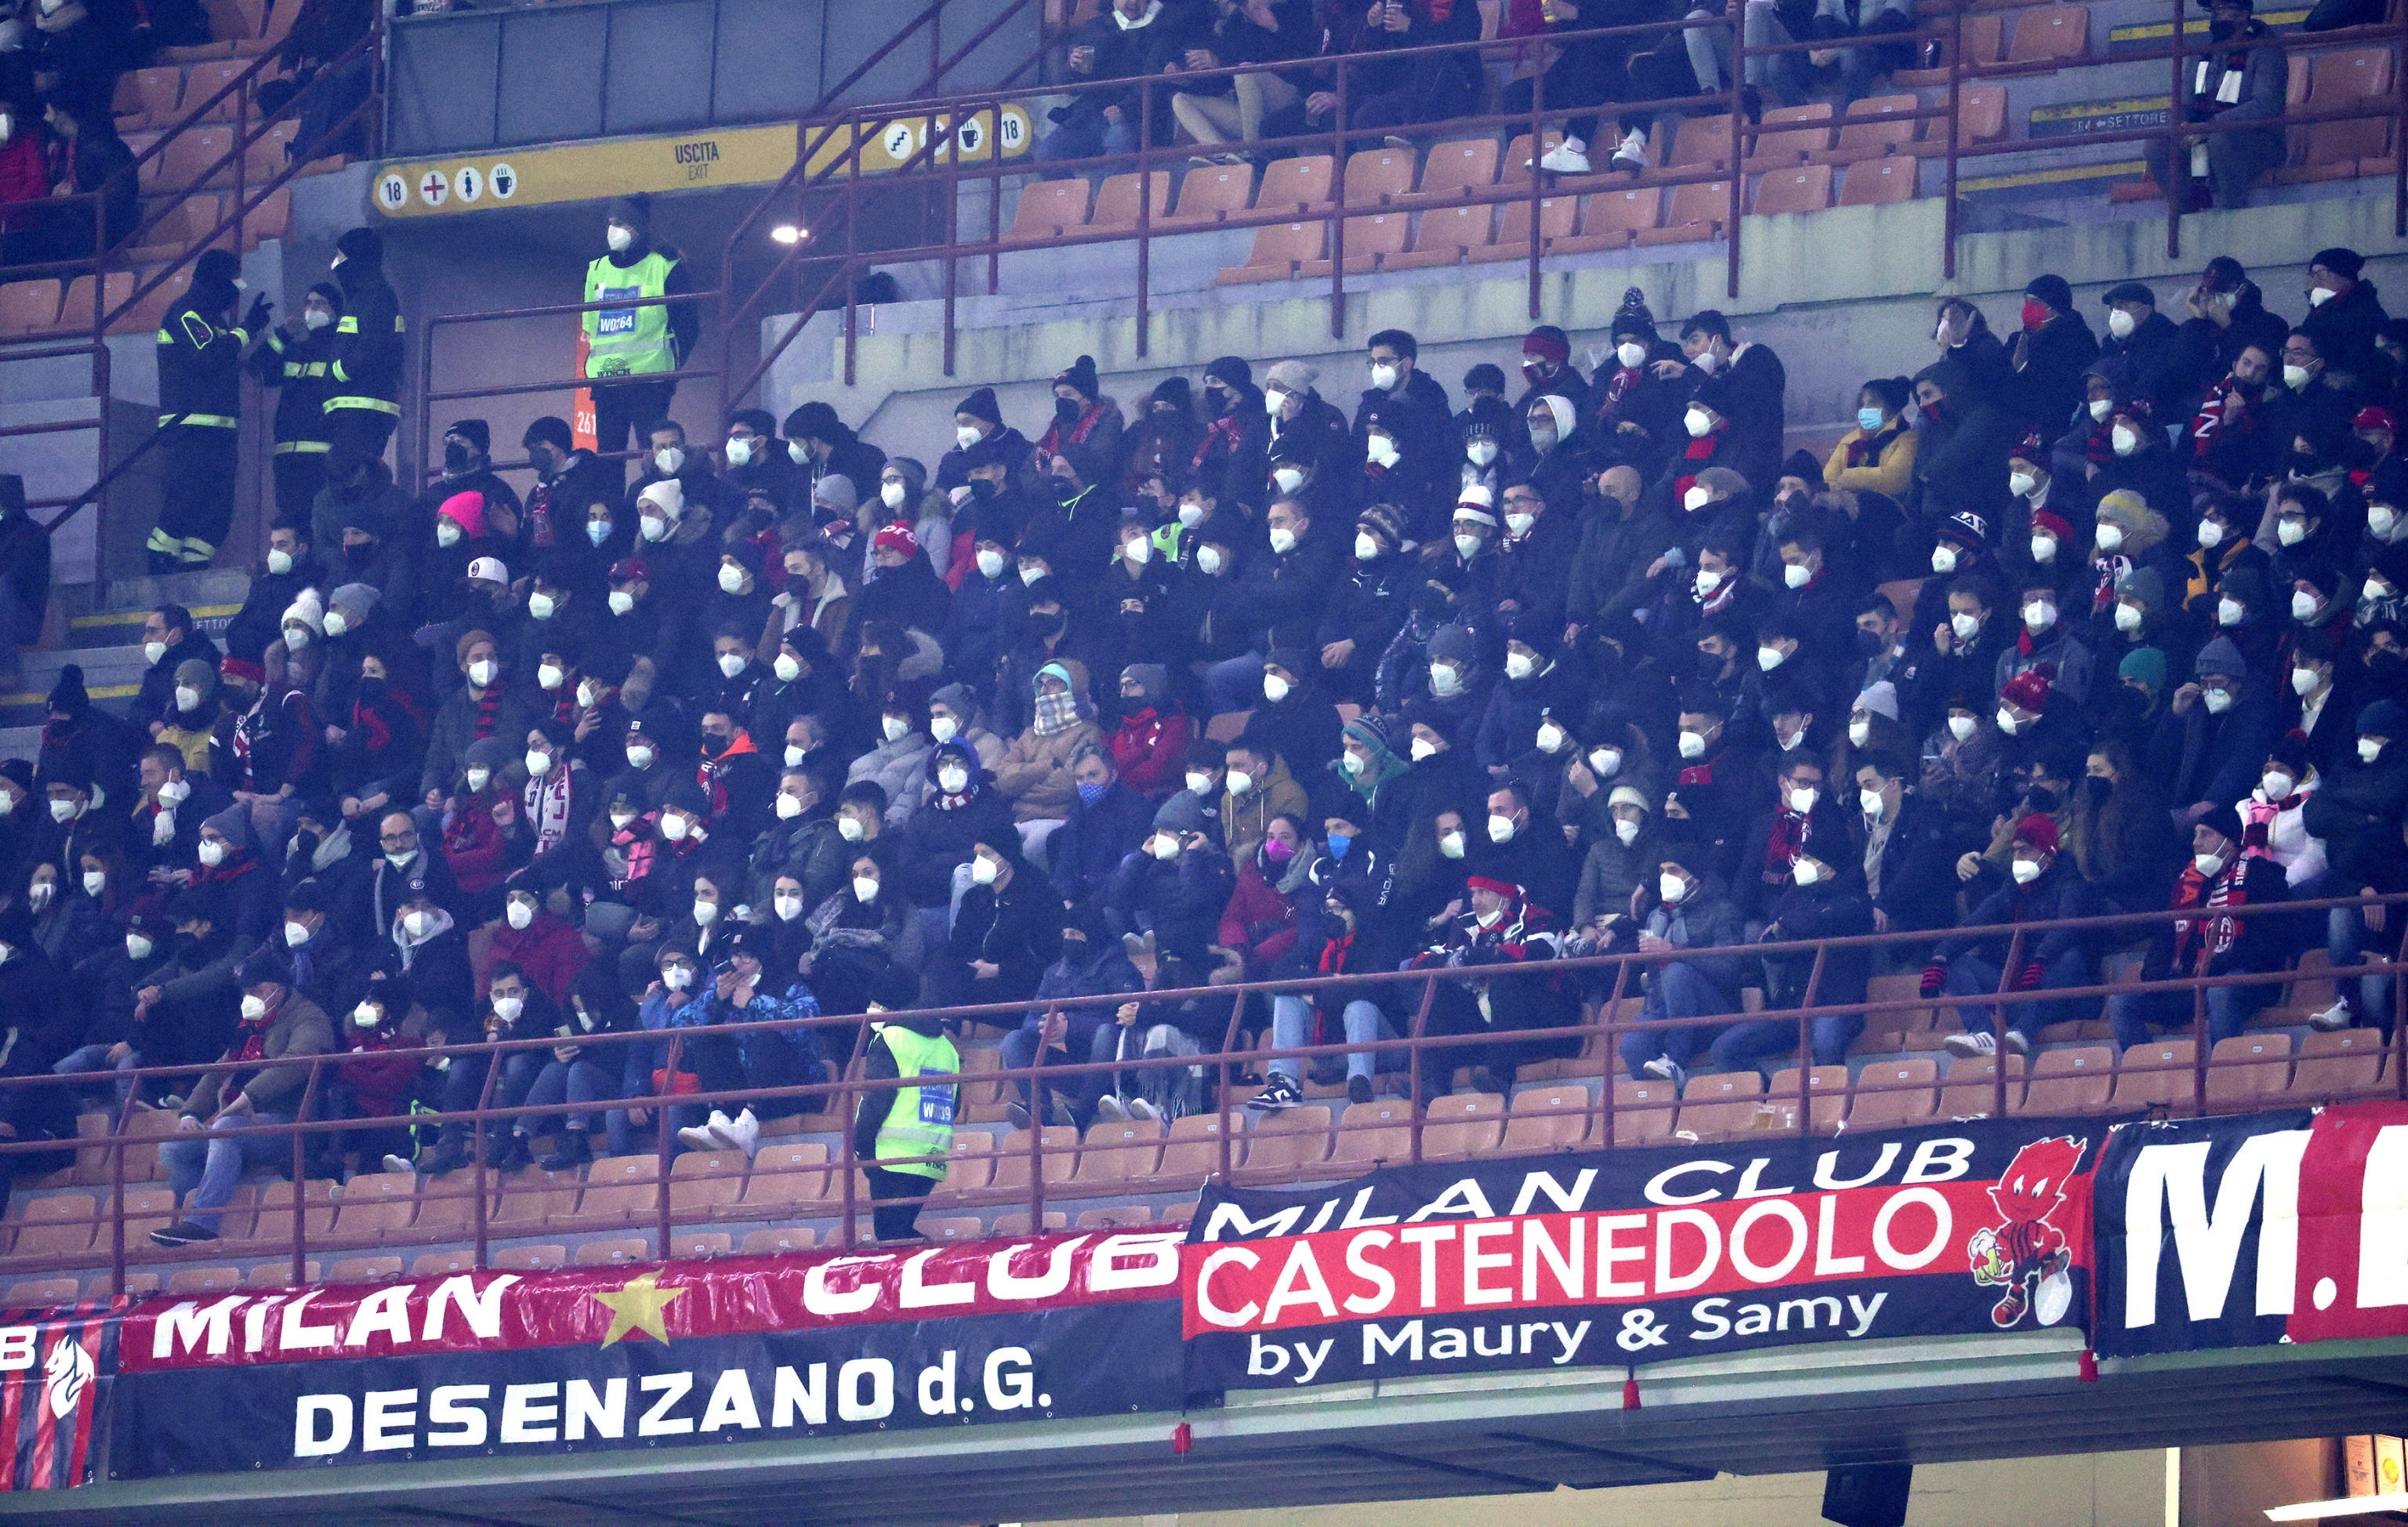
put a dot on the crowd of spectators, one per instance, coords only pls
(2075, 621)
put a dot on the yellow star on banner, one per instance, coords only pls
(639, 1307)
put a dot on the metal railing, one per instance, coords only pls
(931, 165)
(2198, 1082)
(246, 134)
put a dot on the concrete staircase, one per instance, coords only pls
(104, 626)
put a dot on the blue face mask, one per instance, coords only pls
(1090, 793)
(1868, 420)
(1340, 842)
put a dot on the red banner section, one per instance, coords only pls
(488, 1311)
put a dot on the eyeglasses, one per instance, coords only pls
(405, 840)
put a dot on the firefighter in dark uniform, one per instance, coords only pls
(200, 413)
(296, 359)
(363, 404)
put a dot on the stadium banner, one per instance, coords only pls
(2253, 1228)
(1628, 1257)
(495, 1363)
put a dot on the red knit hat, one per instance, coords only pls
(894, 538)
(1494, 886)
(2055, 524)
(242, 668)
(2037, 829)
(2029, 689)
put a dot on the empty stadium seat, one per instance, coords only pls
(2247, 1067)
(1806, 189)
(781, 1239)
(206, 92)
(613, 1251)
(61, 1223)
(27, 308)
(1374, 175)
(1452, 168)
(706, 1181)
(1701, 143)
(1120, 1217)
(1972, 1088)
(1555, 218)
(1721, 1106)
(1211, 192)
(1278, 249)
(1614, 220)
(1287, 1141)
(1874, 127)
(971, 1165)
(1045, 208)
(1459, 1125)
(34, 1293)
(1696, 211)
(1116, 200)
(2067, 1081)
(619, 1191)
(2050, 34)
(790, 1178)
(274, 1226)
(1790, 135)
(157, 89)
(1370, 241)
(2360, 77)
(1375, 1133)
(1112, 1153)
(376, 1202)
(443, 1263)
(2338, 1063)
(1015, 1222)
(1879, 182)
(693, 1246)
(1301, 182)
(950, 1227)
(532, 1259)
(2154, 1075)
(1984, 38)
(1826, 1089)
(1895, 1092)
(364, 1269)
(529, 1197)
(1443, 235)
(1644, 1112)
(1060, 1155)
(1192, 1151)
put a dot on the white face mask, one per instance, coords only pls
(1286, 479)
(1239, 782)
(2043, 547)
(850, 828)
(788, 907)
(1697, 498)
(1943, 559)
(280, 562)
(1275, 689)
(1630, 353)
(1605, 762)
(38, 894)
(1500, 829)
(2111, 538)
(1481, 452)
(952, 779)
(447, 533)
(153, 651)
(1192, 515)
(2124, 439)
(619, 820)
(891, 495)
(966, 436)
(481, 672)
(1805, 871)
(2230, 611)
(1450, 845)
(639, 756)
(538, 764)
(1381, 450)
(1520, 524)
(677, 978)
(983, 871)
(187, 697)
(675, 828)
(2382, 519)
(1208, 560)
(944, 728)
(1467, 545)
(2101, 408)
(1383, 376)
(1445, 681)
(295, 637)
(1625, 831)
(2304, 681)
(541, 606)
(1769, 658)
(550, 676)
(990, 564)
(1139, 551)
(336, 623)
(865, 889)
(2304, 605)
(477, 774)
(520, 914)
(1366, 548)
(622, 601)
(740, 452)
(1961, 727)
(2210, 865)
(1672, 888)
(2370, 749)
(1422, 747)
(136, 947)
(1870, 802)
(254, 1007)
(2216, 700)
(1965, 626)
(2039, 615)
(2025, 871)
(1709, 579)
(1696, 421)
(731, 578)
(2128, 617)
(1693, 744)
(367, 1016)
(1551, 737)
(789, 807)
(2295, 377)
(1163, 846)
(652, 526)
(2007, 722)
(2290, 532)
(1796, 575)
(419, 926)
(2211, 534)
(894, 727)
(1801, 799)
(1520, 665)
(706, 913)
(2277, 784)
(2119, 322)
(620, 238)
(731, 663)
(1283, 540)
(1859, 733)
(212, 853)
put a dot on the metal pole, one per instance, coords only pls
(1806, 1045)
(476, 1151)
(1998, 1026)
(1040, 1110)
(1228, 1043)
(300, 1178)
(117, 1195)
(1338, 226)
(1956, 78)
(1538, 152)
(1145, 248)
(2177, 186)
(1607, 1017)
(1738, 177)
(661, 1158)
(847, 1162)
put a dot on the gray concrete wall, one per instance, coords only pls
(1841, 295)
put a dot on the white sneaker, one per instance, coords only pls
(1109, 1109)
(706, 1136)
(1569, 157)
(2017, 1042)
(743, 1135)
(400, 1163)
(2335, 1017)
(1143, 1111)
(1632, 154)
(1665, 1069)
(1972, 1043)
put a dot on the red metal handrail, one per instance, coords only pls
(1599, 1028)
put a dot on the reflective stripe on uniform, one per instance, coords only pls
(917, 1135)
(377, 404)
(188, 548)
(288, 448)
(206, 421)
(347, 325)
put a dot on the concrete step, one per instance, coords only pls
(21, 742)
(215, 585)
(111, 676)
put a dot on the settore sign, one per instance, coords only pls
(602, 168)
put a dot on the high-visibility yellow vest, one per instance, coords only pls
(921, 1123)
(628, 342)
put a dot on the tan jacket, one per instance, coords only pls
(1248, 822)
(300, 1030)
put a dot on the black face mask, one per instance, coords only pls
(1065, 488)
(361, 554)
(1870, 644)
(455, 457)
(2098, 788)
(1216, 401)
(1709, 666)
(981, 487)
(2222, 31)
(1066, 411)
